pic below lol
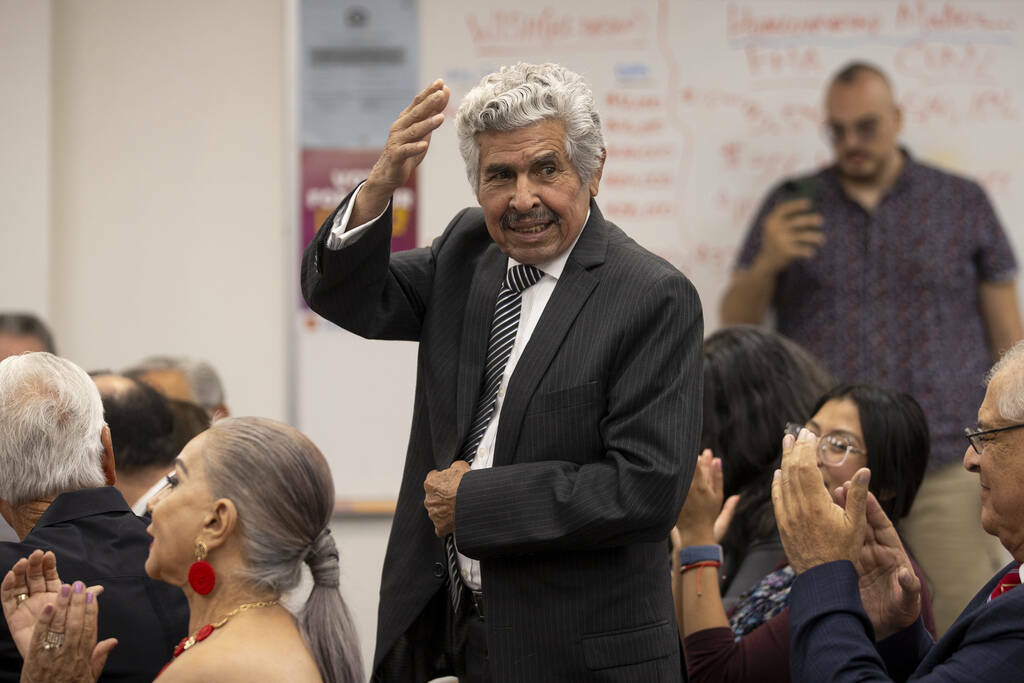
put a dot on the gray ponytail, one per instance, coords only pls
(282, 487)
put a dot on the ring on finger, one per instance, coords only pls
(53, 640)
(21, 597)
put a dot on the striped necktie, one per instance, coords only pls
(499, 348)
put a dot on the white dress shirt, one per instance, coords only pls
(534, 299)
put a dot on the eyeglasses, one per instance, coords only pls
(974, 436)
(864, 130)
(833, 448)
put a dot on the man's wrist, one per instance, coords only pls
(371, 201)
(802, 564)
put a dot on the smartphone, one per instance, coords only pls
(805, 187)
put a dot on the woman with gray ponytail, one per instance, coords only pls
(248, 504)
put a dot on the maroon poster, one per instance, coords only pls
(330, 174)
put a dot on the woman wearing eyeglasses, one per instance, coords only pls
(856, 426)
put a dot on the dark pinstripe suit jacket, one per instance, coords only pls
(594, 452)
(833, 640)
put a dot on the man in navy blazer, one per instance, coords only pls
(560, 522)
(855, 585)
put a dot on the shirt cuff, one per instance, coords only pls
(340, 234)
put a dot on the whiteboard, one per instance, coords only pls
(705, 105)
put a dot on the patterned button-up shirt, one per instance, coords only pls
(892, 297)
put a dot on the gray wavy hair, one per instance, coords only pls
(282, 488)
(51, 417)
(1011, 402)
(525, 94)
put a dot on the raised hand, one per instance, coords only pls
(813, 528)
(703, 504)
(404, 149)
(889, 589)
(63, 645)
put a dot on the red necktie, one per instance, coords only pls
(1010, 580)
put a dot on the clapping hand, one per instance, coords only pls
(63, 643)
(704, 519)
(30, 585)
(813, 528)
(889, 589)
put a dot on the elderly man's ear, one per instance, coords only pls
(107, 459)
(595, 180)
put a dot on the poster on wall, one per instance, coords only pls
(328, 175)
(358, 68)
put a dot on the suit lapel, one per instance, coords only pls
(571, 292)
(954, 635)
(476, 329)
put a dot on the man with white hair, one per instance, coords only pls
(56, 491)
(856, 603)
(20, 332)
(558, 398)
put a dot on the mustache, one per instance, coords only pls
(541, 214)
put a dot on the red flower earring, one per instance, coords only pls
(201, 575)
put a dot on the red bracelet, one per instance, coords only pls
(698, 566)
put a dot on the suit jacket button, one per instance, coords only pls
(439, 570)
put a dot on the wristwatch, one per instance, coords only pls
(693, 554)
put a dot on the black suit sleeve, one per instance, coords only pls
(365, 289)
(633, 490)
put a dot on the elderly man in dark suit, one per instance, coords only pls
(838, 550)
(557, 403)
(56, 491)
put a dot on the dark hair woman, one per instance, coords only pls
(755, 381)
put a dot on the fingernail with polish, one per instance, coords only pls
(89, 597)
(79, 586)
(65, 590)
(805, 435)
(788, 440)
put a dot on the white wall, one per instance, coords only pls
(170, 222)
(25, 166)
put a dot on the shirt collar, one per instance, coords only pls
(83, 503)
(555, 266)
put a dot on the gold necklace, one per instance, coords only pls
(204, 631)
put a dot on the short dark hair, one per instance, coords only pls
(896, 438)
(141, 427)
(189, 421)
(755, 381)
(852, 71)
(27, 325)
